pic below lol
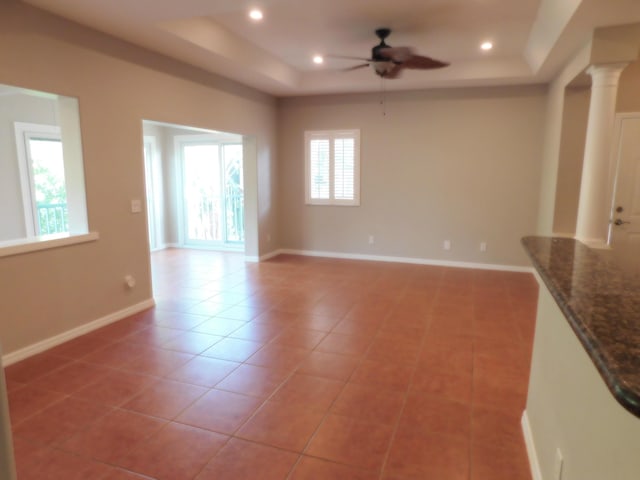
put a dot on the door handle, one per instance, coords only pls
(619, 221)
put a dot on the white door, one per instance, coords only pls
(625, 214)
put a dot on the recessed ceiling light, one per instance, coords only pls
(486, 46)
(255, 14)
(318, 59)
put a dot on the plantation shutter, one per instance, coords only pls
(332, 167)
(344, 168)
(320, 167)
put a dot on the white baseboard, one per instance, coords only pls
(415, 261)
(164, 246)
(534, 465)
(262, 258)
(43, 345)
(269, 255)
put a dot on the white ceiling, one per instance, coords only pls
(532, 38)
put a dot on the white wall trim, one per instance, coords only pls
(164, 246)
(56, 340)
(269, 255)
(45, 242)
(538, 278)
(262, 258)
(416, 261)
(534, 465)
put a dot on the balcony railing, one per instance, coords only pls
(235, 217)
(52, 218)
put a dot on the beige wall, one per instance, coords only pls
(553, 136)
(572, 142)
(118, 85)
(458, 165)
(629, 91)
(570, 408)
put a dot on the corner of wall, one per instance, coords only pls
(532, 453)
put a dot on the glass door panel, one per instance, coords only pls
(234, 194)
(213, 192)
(202, 194)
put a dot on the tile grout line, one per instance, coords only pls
(328, 412)
(408, 390)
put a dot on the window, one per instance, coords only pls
(43, 188)
(332, 170)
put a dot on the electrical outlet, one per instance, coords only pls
(446, 245)
(371, 240)
(483, 246)
(557, 465)
(130, 281)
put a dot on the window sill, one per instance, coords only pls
(45, 242)
(332, 203)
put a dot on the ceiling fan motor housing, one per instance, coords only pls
(382, 33)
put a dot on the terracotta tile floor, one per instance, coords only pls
(295, 368)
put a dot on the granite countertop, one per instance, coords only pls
(602, 304)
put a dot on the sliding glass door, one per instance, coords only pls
(212, 194)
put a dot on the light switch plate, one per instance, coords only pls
(136, 205)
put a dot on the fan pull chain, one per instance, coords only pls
(383, 97)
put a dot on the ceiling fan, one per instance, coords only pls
(388, 62)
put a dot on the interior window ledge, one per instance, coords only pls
(45, 242)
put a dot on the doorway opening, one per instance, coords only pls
(195, 187)
(200, 188)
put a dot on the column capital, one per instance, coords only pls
(606, 73)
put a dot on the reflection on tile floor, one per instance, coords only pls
(294, 368)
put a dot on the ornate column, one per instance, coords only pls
(594, 207)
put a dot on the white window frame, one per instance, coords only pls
(153, 183)
(332, 135)
(24, 132)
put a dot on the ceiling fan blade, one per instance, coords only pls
(356, 67)
(423, 63)
(347, 57)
